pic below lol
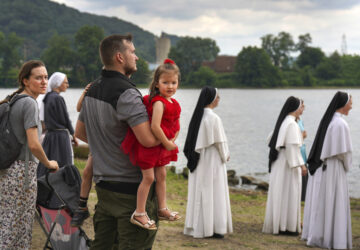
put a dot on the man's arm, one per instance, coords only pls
(80, 131)
(144, 135)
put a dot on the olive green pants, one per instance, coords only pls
(112, 221)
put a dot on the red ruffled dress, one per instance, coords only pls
(156, 156)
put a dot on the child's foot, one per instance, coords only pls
(80, 215)
(166, 214)
(143, 220)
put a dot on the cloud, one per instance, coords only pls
(185, 9)
(237, 23)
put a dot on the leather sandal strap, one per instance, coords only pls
(174, 213)
(148, 223)
(140, 214)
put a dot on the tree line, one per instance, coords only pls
(37, 20)
(279, 62)
(79, 59)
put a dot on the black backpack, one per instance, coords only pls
(10, 147)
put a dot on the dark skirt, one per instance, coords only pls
(57, 147)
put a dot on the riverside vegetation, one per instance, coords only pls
(248, 208)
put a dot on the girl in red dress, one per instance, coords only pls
(164, 114)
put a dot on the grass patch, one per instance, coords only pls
(248, 210)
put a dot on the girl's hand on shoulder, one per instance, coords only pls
(87, 87)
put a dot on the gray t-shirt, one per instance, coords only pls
(24, 114)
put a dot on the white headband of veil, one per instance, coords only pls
(299, 103)
(348, 98)
(216, 94)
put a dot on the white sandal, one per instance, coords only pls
(149, 225)
(174, 216)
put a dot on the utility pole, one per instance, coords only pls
(343, 45)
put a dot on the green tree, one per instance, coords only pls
(58, 56)
(351, 68)
(190, 52)
(142, 75)
(254, 68)
(307, 77)
(330, 68)
(310, 56)
(202, 77)
(10, 55)
(87, 41)
(304, 41)
(292, 78)
(278, 48)
(2, 39)
(11, 51)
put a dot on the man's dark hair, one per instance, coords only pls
(111, 45)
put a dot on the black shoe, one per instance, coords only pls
(289, 233)
(79, 216)
(218, 236)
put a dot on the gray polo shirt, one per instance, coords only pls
(111, 106)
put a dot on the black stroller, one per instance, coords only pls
(57, 200)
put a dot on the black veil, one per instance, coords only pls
(291, 104)
(206, 97)
(339, 100)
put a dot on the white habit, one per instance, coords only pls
(208, 206)
(327, 215)
(283, 207)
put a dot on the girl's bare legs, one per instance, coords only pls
(82, 212)
(87, 178)
(143, 192)
(164, 212)
(160, 175)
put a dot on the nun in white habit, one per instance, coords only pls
(286, 165)
(208, 212)
(327, 218)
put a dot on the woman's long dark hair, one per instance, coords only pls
(24, 73)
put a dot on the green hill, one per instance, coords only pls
(37, 20)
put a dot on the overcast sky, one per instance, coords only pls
(238, 23)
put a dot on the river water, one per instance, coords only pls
(249, 116)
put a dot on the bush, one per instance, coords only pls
(81, 151)
(226, 80)
(203, 77)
